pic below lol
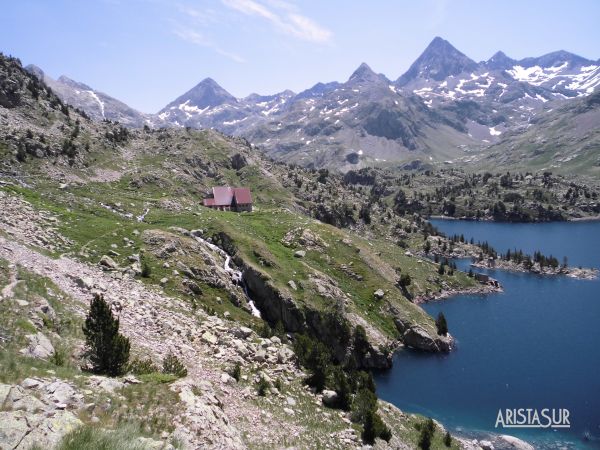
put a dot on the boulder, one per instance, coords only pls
(39, 346)
(61, 392)
(240, 348)
(514, 442)
(19, 400)
(108, 263)
(292, 285)
(85, 282)
(284, 355)
(486, 445)
(416, 337)
(379, 294)
(29, 383)
(260, 356)
(209, 338)
(107, 384)
(299, 253)
(241, 332)
(50, 430)
(15, 427)
(330, 398)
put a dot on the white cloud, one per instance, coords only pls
(284, 17)
(197, 38)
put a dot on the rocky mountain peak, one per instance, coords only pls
(207, 93)
(364, 74)
(555, 59)
(74, 84)
(439, 60)
(499, 61)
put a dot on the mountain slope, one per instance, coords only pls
(564, 139)
(96, 104)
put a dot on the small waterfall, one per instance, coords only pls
(236, 275)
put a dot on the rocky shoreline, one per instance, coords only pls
(483, 289)
(573, 272)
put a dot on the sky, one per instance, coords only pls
(148, 52)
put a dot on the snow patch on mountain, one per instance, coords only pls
(100, 102)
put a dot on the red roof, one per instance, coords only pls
(242, 196)
(223, 195)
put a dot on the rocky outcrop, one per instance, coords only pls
(29, 421)
(39, 346)
(331, 328)
(417, 337)
(572, 272)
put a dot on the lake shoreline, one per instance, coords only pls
(508, 352)
(483, 289)
(512, 266)
(488, 219)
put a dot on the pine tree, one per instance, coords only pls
(447, 439)
(368, 434)
(427, 431)
(107, 349)
(441, 324)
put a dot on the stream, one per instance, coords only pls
(236, 275)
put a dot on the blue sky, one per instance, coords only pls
(148, 52)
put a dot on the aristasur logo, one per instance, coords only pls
(533, 418)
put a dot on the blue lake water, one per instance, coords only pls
(537, 345)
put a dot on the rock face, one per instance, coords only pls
(28, 421)
(39, 346)
(514, 442)
(417, 337)
(276, 306)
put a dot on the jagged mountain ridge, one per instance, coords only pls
(469, 106)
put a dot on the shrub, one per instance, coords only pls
(265, 331)
(343, 388)
(236, 372)
(360, 379)
(279, 385)
(60, 357)
(142, 366)
(374, 427)
(361, 343)
(279, 331)
(106, 348)
(364, 401)
(447, 439)
(427, 431)
(262, 386)
(89, 437)
(157, 377)
(146, 270)
(404, 280)
(315, 356)
(172, 365)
